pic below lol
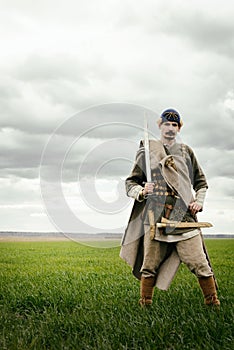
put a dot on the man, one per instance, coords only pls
(154, 252)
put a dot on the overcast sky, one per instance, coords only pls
(76, 78)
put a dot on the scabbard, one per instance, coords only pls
(180, 224)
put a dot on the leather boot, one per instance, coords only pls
(147, 290)
(207, 285)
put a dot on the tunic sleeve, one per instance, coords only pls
(134, 182)
(197, 175)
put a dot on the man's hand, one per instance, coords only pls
(194, 208)
(148, 189)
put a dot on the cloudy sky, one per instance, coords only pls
(76, 79)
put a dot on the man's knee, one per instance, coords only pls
(200, 269)
(192, 254)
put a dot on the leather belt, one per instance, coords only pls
(164, 193)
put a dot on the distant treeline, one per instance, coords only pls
(218, 235)
(102, 235)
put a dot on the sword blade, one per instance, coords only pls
(147, 153)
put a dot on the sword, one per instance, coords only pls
(180, 224)
(148, 174)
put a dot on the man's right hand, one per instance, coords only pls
(148, 189)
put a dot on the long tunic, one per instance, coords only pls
(132, 242)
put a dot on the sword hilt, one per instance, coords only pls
(148, 194)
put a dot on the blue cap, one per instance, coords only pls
(171, 115)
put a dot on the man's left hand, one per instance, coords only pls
(194, 208)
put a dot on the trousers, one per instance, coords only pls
(190, 252)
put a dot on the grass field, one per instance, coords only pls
(62, 295)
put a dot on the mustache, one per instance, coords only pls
(170, 133)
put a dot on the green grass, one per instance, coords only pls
(62, 295)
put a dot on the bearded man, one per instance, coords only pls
(155, 252)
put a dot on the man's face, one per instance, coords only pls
(169, 130)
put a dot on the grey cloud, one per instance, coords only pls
(48, 92)
(210, 128)
(62, 68)
(206, 25)
(74, 13)
(16, 172)
(220, 164)
(228, 189)
(222, 187)
(106, 159)
(216, 162)
(28, 111)
(20, 153)
(205, 30)
(111, 120)
(8, 89)
(16, 191)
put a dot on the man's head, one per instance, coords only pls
(170, 115)
(170, 123)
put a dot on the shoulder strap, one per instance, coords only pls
(184, 150)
